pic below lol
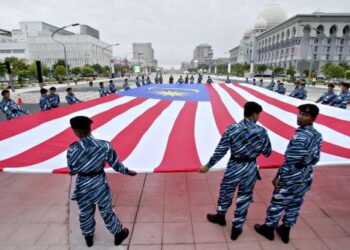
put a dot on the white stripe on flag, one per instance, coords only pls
(207, 135)
(149, 152)
(21, 142)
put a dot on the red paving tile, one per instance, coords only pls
(206, 232)
(147, 233)
(150, 214)
(211, 246)
(177, 233)
(338, 243)
(310, 244)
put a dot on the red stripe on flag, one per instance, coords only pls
(27, 122)
(328, 121)
(181, 152)
(126, 141)
(60, 142)
(222, 117)
(284, 129)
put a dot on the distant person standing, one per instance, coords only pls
(313, 82)
(200, 78)
(327, 97)
(191, 79)
(160, 78)
(126, 84)
(228, 80)
(302, 93)
(103, 91)
(342, 100)
(271, 85)
(209, 80)
(143, 80)
(44, 102)
(171, 79)
(261, 83)
(54, 98)
(70, 97)
(148, 80)
(186, 79)
(254, 81)
(112, 87)
(180, 80)
(138, 84)
(156, 79)
(294, 93)
(9, 107)
(280, 88)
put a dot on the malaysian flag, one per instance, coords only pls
(166, 128)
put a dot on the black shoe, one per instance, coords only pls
(265, 231)
(283, 232)
(119, 237)
(217, 219)
(235, 233)
(89, 240)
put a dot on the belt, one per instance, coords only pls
(241, 159)
(91, 174)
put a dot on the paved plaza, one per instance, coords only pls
(167, 211)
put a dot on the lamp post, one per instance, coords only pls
(110, 60)
(64, 47)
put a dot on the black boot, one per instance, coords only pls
(217, 219)
(119, 237)
(265, 231)
(283, 232)
(89, 240)
(235, 233)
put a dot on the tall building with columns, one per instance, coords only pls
(304, 41)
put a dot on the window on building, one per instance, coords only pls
(329, 41)
(339, 57)
(315, 49)
(327, 57)
(328, 48)
(292, 52)
(315, 56)
(340, 49)
(5, 51)
(18, 51)
(316, 41)
(342, 41)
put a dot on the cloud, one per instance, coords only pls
(174, 27)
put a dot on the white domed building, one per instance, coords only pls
(305, 41)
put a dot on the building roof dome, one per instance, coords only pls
(248, 31)
(260, 23)
(273, 14)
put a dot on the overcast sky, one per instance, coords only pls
(174, 27)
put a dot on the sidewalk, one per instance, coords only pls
(167, 211)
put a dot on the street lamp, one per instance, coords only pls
(111, 69)
(64, 47)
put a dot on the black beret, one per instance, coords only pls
(80, 122)
(310, 109)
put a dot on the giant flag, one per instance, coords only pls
(166, 128)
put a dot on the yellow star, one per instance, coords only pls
(170, 93)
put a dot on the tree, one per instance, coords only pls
(33, 71)
(333, 70)
(344, 65)
(59, 71)
(306, 73)
(17, 65)
(59, 62)
(261, 68)
(97, 68)
(278, 70)
(76, 71)
(87, 71)
(347, 74)
(2, 69)
(23, 74)
(291, 71)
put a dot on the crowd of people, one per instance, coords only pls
(299, 92)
